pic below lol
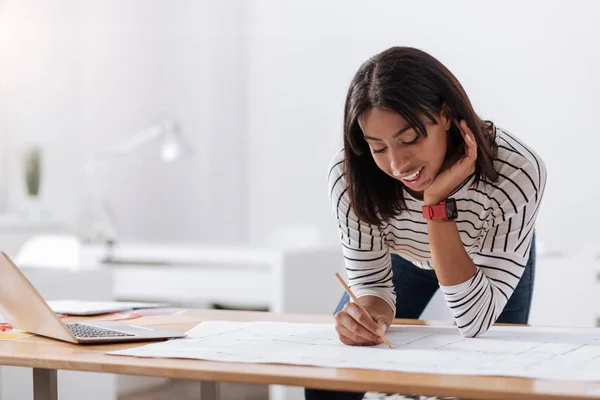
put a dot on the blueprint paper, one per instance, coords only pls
(545, 353)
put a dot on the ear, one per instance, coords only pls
(446, 116)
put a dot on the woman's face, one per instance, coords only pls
(400, 152)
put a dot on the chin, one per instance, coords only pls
(422, 188)
(419, 188)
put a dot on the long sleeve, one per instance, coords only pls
(366, 254)
(504, 251)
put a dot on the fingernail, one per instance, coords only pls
(381, 330)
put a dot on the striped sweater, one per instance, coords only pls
(495, 222)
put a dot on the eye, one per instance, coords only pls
(411, 141)
(378, 151)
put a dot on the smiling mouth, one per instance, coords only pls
(409, 178)
(413, 176)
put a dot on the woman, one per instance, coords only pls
(428, 195)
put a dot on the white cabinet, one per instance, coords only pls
(282, 280)
(565, 291)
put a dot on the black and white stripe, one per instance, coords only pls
(496, 224)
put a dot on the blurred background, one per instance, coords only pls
(256, 91)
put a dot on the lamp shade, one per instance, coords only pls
(172, 146)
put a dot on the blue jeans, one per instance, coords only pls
(414, 289)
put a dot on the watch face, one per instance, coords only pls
(451, 211)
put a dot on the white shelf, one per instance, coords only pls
(24, 223)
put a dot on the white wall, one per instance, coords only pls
(82, 75)
(37, 98)
(530, 66)
(141, 60)
(259, 86)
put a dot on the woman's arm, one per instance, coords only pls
(477, 286)
(477, 300)
(451, 262)
(368, 266)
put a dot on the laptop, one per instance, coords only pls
(24, 308)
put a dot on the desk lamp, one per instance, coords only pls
(98, 223)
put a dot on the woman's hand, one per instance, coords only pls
(451, 178)
(355, 328)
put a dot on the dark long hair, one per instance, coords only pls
(411, 83)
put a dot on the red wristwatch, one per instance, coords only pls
(446, 210)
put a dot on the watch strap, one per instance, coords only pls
(445, 210)
(437, 211)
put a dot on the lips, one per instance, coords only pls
(413, 179)
(410, 176)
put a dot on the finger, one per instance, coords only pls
(349, 322)
(350, 338)
(353, 338)
(347, 341)
(462, 125)
(358, 332)
(347, 336)
(363, 318)
(466, 132)
(381, 322)
(350, 342)
(471, 147)
(469, 137)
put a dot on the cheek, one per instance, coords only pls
(381, 162)
(436, 147)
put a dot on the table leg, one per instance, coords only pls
(44, 384)
(209, 390)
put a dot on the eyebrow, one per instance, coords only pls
(400, 132)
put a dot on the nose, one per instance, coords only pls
(399, 161)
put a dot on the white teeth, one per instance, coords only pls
(412, 177)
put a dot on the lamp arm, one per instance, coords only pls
(103, 158)
(167, 129)
(129, 145)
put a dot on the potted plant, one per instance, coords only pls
(33, 171)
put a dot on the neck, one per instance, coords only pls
(417, 195)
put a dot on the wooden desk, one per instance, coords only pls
(46, 356)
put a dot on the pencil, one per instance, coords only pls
(349, 291)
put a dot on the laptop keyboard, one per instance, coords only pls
(86, 331)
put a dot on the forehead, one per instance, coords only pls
(378, 122)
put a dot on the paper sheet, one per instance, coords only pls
(547, 353)
(84, 307)
(13, 334)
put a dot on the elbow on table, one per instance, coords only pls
(471, 331)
